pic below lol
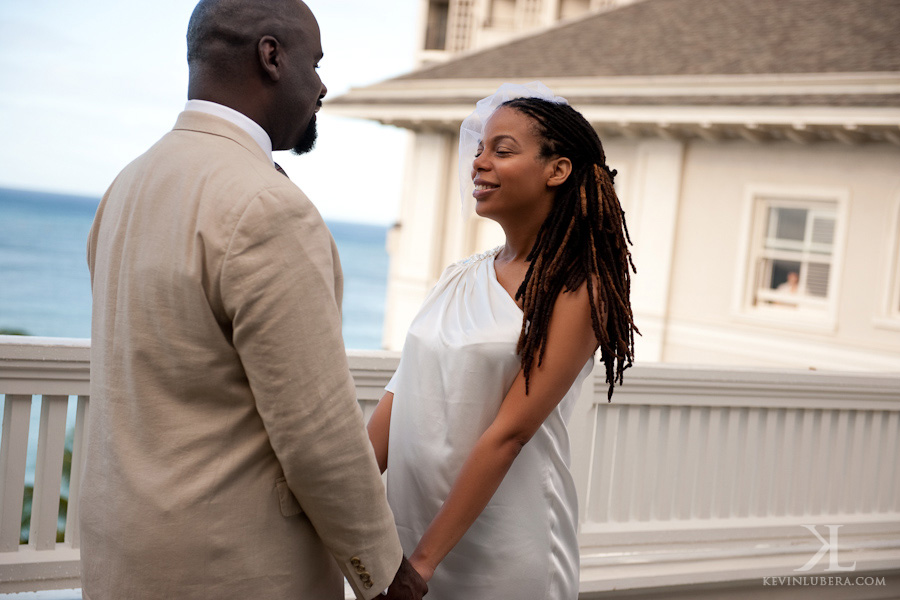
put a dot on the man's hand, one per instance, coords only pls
(407, 584)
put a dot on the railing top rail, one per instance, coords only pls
(67, 359)
(37, 365)
(684, 375)
(43, 348)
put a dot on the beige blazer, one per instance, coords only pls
(226, 454)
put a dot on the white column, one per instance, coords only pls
(416, 244)
(655, 188)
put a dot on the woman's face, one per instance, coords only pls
(511, 178)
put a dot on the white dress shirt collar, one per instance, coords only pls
(232, 116)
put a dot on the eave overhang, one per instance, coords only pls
(851, 108)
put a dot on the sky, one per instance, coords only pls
(85, 87)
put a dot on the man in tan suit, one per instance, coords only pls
(227, 456)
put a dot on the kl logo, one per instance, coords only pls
(830, 546)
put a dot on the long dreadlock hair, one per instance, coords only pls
(584, 238)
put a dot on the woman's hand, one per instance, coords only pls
(423, 569)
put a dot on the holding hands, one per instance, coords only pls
(407, 584)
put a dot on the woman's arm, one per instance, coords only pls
(379, 429)
(570, 343)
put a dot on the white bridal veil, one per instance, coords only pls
(472, 128)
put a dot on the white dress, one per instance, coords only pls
(458, 362)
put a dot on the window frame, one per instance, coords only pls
(497, 21)
(812, 314)
(890, 309)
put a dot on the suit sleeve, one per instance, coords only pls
(278, 287)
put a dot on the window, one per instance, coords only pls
(436, 28)
(794, 265)
(792, 256)
(890, 314)
(895, 304)
(502, 14)
(569, 9)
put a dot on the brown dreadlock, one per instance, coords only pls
(584, 238)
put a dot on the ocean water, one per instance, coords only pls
(45, 285)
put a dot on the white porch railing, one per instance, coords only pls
(701, 476)
(691, 478)
(51, 370)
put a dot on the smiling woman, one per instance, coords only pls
(513, 180)
(473, 427)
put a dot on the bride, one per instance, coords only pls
(472, 430)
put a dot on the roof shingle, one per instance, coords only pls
(698, 37)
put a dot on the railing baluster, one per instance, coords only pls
(652, 448)
(746, 482)
(627, 465)
(48, 472)
(772, 436)
(892, 449)
(702, 488)
(73, 530)
(638, 482)
(819, 472)
(731, 456)
(798, 502)
(789, 467)
(712, 451)
(621, 461)
(757, 450)
(888, 477)
(586, 498)
(670, 441)
(855, 457)
(871, 460)
(718, 422)
(838, 474)
(694, 463)
(13, 453)
(603, 480)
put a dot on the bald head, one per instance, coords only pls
(222, 34)
(259, 57)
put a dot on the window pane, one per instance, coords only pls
(785, 276)
(817, 279)
(788, 224)
(436, 31)
(574, 8)
(503, 13)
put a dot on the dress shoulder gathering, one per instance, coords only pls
(459, 360)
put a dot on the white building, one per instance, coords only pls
(448, 27)
(757, 144)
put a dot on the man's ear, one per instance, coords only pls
(560, 169)
(269, 51)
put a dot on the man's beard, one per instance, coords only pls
(308, 140)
